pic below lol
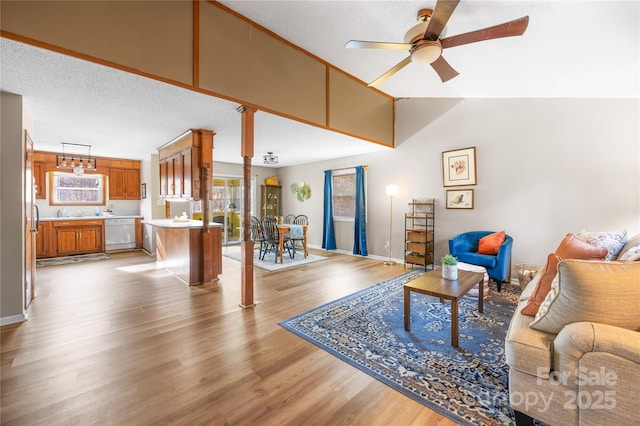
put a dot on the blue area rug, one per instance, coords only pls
(467, 384)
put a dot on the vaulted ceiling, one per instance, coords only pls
(587, 49)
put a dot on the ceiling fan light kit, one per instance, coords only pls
(425, 45)
(426, 52)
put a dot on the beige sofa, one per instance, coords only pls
(577, 362)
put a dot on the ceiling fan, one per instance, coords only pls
(425, 45)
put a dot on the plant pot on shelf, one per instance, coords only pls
(450, 272)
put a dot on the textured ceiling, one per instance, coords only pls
(571, 49)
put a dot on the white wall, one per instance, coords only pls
(545, 167)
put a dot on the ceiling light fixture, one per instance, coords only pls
(270, 158)
(76, 163)
(426, 52)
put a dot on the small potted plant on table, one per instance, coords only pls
(449, 267)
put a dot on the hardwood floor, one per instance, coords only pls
(122, 342)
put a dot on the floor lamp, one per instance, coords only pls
(391, 190)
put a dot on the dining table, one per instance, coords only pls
(287, 227)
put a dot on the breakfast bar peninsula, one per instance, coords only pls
(188, 249)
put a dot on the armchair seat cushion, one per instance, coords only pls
(485, 260)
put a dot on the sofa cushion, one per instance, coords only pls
(485, 260)
(595, 291)
(631, 250)
(547, 274)
(612, 241)
(570, 248)
(631, 255)
(490, 244)
(526, 349)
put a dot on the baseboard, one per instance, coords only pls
(371, 256)
(13, 319)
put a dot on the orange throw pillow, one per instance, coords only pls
(547, 274)
(571, 247)
(490, 244)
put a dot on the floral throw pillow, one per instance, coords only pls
(612, 241)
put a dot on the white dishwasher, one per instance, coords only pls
(119, 233)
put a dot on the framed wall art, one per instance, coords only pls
(459, 198)
(459, 167)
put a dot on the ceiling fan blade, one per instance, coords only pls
(441, 14)
(444, 70)
(508, 29)
(384, 77)
(357, 44)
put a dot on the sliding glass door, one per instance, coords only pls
(227, 206)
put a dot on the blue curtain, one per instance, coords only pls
(360, 222)
(328, 235)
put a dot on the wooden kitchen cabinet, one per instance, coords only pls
(169, 185)
(44, 239)
(40, 175)
(78, 237)
(43, 162)
(175, 175)
(186, 190)
(164, 178)
(179, 162)
(124, 184)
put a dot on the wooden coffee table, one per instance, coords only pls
(432, 284)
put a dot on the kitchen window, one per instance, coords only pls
(69, 189)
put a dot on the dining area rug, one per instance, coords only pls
(269, 262)
(468, 384)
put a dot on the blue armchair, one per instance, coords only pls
(465, 247)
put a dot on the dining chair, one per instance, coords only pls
(272, 238)
(257, 235)
(301, 219)
(289, 218)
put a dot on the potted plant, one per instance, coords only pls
(449, 267)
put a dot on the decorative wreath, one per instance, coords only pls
(302, 191)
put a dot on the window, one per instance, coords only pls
(68, 189)
(344, 195)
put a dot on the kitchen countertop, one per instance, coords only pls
(44, 219)
(170, 223)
